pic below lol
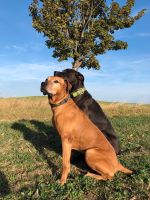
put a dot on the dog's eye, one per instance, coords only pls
(56, 81)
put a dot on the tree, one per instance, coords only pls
(82, 29)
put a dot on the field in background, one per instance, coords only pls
(39, 109)
(30, 154)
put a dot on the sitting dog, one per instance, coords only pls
(79, 133)
(89, 106)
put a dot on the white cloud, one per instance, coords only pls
(122, 79)
(127, 79)
(143, 34)
(28, 71)
(139, 61)
(94, 73)
(17, 48)
(127, 35)
(25, 47)
(133, 93)
(7, 47)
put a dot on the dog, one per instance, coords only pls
(79, 133)
(89, 106)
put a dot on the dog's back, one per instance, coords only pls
(82, 132)
(95, 113)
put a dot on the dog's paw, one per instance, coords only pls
(61, 182)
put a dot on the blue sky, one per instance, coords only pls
(25, 60)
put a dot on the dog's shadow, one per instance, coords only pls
(4, 185)
(45, 136)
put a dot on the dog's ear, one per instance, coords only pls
(68, 85)
(80, 76)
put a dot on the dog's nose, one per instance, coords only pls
(42, 84)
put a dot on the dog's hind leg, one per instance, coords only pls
(98, 163)
(98, 177)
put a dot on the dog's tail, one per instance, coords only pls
(123, 169)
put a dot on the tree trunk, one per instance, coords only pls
(76, 65)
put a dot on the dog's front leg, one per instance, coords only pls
(66, 154)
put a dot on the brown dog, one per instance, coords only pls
(72, 124)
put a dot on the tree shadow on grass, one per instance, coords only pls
(45, 136)
(4, 185)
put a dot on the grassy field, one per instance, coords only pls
(30, 154)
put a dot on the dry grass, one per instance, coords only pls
(38, 108)
(124, 109)
(24, 108)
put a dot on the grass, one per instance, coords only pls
(30, 154)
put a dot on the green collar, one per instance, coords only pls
(78, 92)
(60, 103)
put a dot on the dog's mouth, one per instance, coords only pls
(50, 95)
(42, 89)
(45, 92)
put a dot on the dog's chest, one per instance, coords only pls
(75, 125)
(68, 126)
(63, 122)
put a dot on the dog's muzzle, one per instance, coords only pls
(43, 88)
(44, 91)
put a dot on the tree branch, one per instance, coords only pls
(86, 23)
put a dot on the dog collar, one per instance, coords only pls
(78, 92)
(60, 103)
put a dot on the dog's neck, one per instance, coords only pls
(57, 100)
(76, 86)
(64, 101)
(77, 90)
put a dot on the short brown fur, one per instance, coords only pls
(79, 133)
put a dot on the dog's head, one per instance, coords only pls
(55, 86)
(76, 79)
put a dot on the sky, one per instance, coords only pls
(25, 61)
